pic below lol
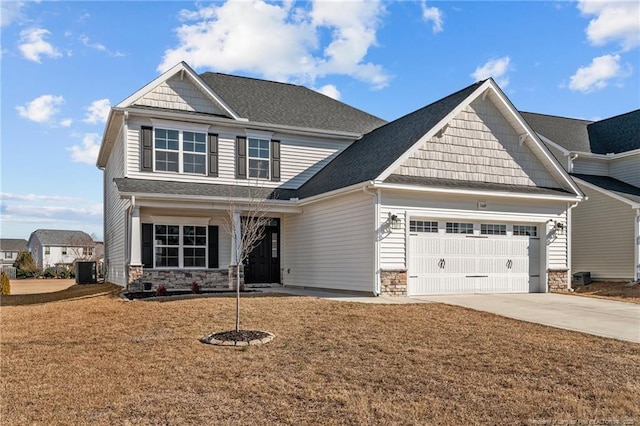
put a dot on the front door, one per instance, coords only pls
(263, 263)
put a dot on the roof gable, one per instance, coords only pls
(180, 88)
(616, 134)
(570, 133)
(286, 104)
(478, 145)
(378, 154)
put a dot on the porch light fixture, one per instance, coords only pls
(394, 221)
(559, 227)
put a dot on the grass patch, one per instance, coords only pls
(106, 361)
(72, 292)
(614, 290)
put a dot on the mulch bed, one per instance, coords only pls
(238, 338)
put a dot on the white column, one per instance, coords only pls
(136, 238)
(235, 238)
(637, 248)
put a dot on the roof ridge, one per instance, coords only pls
(617, 116)
(557, 116)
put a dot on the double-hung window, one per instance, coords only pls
(258, 158)
(180, 151)
(178, 246)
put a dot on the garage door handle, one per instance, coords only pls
(442, 264)
(509, 264)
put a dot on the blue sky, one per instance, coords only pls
(63, 64)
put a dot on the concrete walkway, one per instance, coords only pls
(607, 318)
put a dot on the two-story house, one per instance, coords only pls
(9, 250)
(459, 196)
(51, 247)
(604, 159)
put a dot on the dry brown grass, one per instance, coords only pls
(106, 361)
(73, 292)
(614, 290)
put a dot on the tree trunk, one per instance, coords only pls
(238, 297)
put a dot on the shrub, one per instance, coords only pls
(161, 290)
(195, 287)
(5, 284)
(26, 267)
(49, 273)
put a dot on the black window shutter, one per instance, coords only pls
(147, 245)
(146, 146)
(213, 246)
(213, 155)
(241, 157)
(275, 160)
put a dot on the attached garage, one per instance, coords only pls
(457, 256)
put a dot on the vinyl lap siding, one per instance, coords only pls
(300, 158)
(479, 145)
(331, 245)
(114, 217)
(590, 166)
(602, 237)
(626, 169)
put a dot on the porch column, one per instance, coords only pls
(136, 238)
(235, 238)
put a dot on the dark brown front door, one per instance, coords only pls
(263, 263)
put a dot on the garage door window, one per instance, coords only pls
(525, 230)
(423, 226)
(493, 229)
(459, 228)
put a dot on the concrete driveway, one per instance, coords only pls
(607, 318)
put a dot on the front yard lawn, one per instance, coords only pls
(106, 361)
(614, 290)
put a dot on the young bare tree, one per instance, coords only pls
(249, 230)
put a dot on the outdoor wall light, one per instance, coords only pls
(394, 221)
(559, 227)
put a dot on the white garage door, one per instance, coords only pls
(453, 257)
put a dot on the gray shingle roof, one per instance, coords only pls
(136, 186)
(623, 189)
(612, 135)
(616, 134)
(287, 104)
(368, 157)
(13, 244)
(570, 133)
(59, 237)
(482, 186)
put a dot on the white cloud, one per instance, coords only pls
(33, 44)
(329, 90)
(10, 11)
(496, 68)
(615, 21)
(98, 46)
(66, 122)
(87, 152)
(42, 109)
(596, 75)
(434, 15)
(34, 197)
(280, 41)
(98, 111)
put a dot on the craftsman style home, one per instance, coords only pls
(460, 196)
(604, 159)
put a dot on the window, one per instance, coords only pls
(525, 230)
(8, 255)
(258, 158)
(64, 251)
(47, 250)
(422, 226)
(180, 152)
(180, 246)
(274, 245)
(88, 251)
(459, 228)
(493, 229)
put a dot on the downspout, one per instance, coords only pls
(377, 196)
(569, 230)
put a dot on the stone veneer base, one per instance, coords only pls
(180, 279)
(393, 282)
(558, 280)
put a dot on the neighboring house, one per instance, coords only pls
(52, 247)
(604, 159)
(460, 196)
(9, 250)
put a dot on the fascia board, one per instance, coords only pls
(500, 194)
(389, 170)
(335, 193)
(548, 141)
(608, 193)
(105, 148)
(606, 156)
(226, 122)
